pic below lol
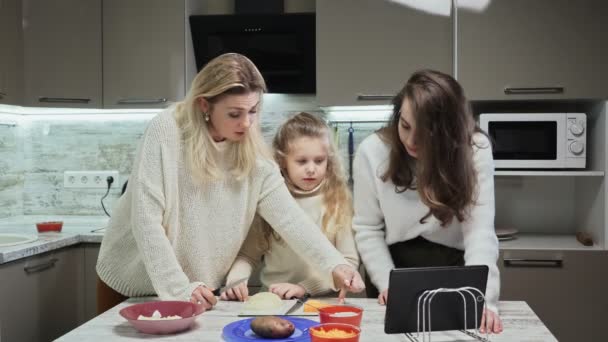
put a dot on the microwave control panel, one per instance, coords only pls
(576, 134)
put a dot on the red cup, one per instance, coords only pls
(53, 226)
(346, 314)
(316, 332)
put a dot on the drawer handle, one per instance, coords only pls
(534, 90)
(141, 101)
(40, 267)
(373, 97)
(63, 100)
(552, 263)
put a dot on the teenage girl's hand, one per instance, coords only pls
(203, 298)
(490, 322)
(383, 297)
(347, 279)
(239, 292)
(287, 290)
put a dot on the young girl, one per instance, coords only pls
(424, 189)
(308, 160)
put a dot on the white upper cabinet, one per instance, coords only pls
(62, 53)
(143, 53)
(541, 49)
(367, 49)
(11, 53)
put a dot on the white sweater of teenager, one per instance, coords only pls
(281, 264)
(384, 217)
(169, 234)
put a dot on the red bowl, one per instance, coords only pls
(314, 337)
(186, 310)
(346, 314)
(53, 226)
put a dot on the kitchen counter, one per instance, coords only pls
(76, 229)
(520, 324)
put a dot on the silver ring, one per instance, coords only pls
(199, 302)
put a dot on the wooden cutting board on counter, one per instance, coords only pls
(287, 304)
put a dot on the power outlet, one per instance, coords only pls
(88, 179)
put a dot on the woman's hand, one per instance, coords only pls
(383, 297)
(287, 290)
(490, 322)
(239, 292)
(203, 298)
(347, 279)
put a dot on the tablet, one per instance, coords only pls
(406, 285)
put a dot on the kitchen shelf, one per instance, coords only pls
(530, 241)
(550, 173)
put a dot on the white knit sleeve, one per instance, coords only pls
(284, 215)
(480, 242)
(368, 222)
(146, 183)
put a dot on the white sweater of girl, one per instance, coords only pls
(169, 234)
(384, 217)
(281, 264)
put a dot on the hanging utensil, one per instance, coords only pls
(351, 152)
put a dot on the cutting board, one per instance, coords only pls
(287, 304)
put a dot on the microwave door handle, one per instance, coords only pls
(533, 90)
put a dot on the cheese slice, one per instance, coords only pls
(312, 305)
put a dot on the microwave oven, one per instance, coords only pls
(537, 140)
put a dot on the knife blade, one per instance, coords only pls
(298, 304)
(235, 283)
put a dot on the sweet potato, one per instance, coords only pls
(272, 327)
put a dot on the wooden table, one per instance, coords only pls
(520, 324)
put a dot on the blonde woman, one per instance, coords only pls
(313, 172)
(200, 175)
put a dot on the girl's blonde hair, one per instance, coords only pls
(336, 195)
(228, 74)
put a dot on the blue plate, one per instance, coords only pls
(241, 331)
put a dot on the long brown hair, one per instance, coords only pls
(443, 173)
(336, 195)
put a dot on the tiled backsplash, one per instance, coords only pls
(35, 150)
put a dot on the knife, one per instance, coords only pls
(235, 283)
(298, 304)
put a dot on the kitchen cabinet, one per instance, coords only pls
(91, 251)
(41, 296)
(143, 53)
(11, 54)
(62, 53)
(542, 49)
(367, 49)
(567, 289)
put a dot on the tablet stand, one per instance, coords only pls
(424, 312)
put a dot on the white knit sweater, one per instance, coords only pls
(384, 217)
(169, 234)
(281, 264)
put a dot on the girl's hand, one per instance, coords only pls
(239, 292)
(203, 298)
(347, 279)
(287, 290)
(383, 297)
(490, 322)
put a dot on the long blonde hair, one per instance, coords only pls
(336, 195)
(228, 74)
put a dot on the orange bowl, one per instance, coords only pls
(346, 314)
(52, 226)
(330, 332)
(186, 310)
